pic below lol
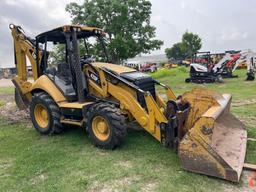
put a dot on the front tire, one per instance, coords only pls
(45, 114)
(106, 125)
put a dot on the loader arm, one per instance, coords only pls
(151, 117)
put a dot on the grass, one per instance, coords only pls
(6, 90)
(69, 162)
(2, 103)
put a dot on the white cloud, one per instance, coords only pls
(183, 4)
(34, 16)
(234, 35)
(12, 2)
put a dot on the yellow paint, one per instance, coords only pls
(100, 128)
(43, 83)
(67, 28)
(104, 84)
(160, 101)
(41, 116)
(149, 121)
(170, 94)
(24, 86)
(72, 122)
(113, 67)
(73, 105)
(155, 114)
(23, 49)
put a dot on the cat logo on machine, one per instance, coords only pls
(94, 77)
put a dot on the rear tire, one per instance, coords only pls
(45, 114)
(106, 125)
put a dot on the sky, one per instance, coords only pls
(222, 24)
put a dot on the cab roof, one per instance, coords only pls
(57, 34)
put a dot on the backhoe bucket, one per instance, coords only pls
(215, 140)
(20, 100)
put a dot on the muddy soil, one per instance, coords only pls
(6, 83)
(243, 103)
(10, 112)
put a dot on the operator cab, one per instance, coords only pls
(61, 50)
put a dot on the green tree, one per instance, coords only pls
(126, 21)
(176, 52)
(190, 44)
(57, 54)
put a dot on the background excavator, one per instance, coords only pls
(251, 66)
(104, 98)
(247, 58)
(203, 70)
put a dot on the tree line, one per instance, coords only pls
(127, 22)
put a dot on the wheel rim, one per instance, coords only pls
(100, 128)
(41, 115)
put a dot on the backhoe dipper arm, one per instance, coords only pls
(221, 64)
(245, 57)
(250, 61)
(24, 47)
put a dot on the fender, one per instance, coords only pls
(45, 84)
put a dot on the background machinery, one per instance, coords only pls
(241, 58)
(104, 98)
(231, 65)
(203, 70)
(247, 59)
(251, 65)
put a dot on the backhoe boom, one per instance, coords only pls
(24, 48)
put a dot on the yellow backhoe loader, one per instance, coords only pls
(105, 97)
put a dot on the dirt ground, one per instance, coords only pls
(10, 111)
(6, 83)
(243, 103)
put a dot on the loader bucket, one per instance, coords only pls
(215, 140)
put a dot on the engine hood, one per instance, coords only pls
(198, 67)
(119, 69)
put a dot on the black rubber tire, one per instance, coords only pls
(115, 120)
(54, 126)
(188, 80)
(250, 77)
